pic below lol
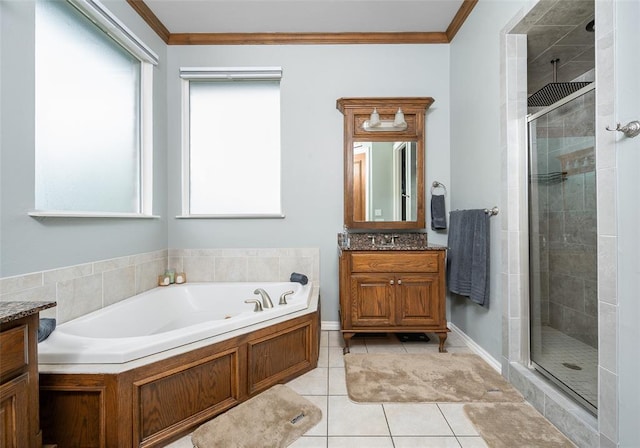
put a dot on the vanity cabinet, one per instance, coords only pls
(392, 291)
(19, 415)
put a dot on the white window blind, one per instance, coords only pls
(231, 142)
(93, 112)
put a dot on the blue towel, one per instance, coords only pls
(300, 278)
(438, 212)
(45, 328)
(468, 255)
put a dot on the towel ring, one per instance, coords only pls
(437, 184)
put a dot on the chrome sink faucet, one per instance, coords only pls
(266, 300)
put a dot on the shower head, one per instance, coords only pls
(554, 91)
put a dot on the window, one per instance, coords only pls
(231, 142)
(93, 112)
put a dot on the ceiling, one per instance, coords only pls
(554, 28)
(304, 16)
(557, 29)
(386, 21)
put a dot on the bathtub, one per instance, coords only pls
(165, 318)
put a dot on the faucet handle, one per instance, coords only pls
(283, 297)
(258, 306)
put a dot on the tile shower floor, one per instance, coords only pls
(354, 425)
(560, 352)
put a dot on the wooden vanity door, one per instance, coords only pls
(372, 300)
(416, 300)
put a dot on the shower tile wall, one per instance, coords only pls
(565, 275)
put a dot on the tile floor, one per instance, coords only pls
(352, 425)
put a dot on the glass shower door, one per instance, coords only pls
(563, 245)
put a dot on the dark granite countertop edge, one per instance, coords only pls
(394, 248)
(10, 311)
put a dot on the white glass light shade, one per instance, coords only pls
(399, 119)
(374, 120)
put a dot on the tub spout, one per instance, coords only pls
(266, 300)
(258, 306)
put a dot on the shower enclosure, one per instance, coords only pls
(563, 245)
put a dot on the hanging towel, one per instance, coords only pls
(438, 212)
(468, 255)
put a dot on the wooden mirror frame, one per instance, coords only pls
(358, 110)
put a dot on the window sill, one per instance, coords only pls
(70, 214)
(265, 216)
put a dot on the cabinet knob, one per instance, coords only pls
(399, 282)
(391, 282)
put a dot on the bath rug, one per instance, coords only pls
(273, 419)
(507, 425)
(428, 377)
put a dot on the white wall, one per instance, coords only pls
(28, 244)
(475, 152)
(627, 42)
(314, 77)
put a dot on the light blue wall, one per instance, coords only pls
(475, 152)
(627, 69)
(28, 244)
(314, 77)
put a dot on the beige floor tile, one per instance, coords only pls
(337, 381)
(416, 419)
(457, 419)
(324, 338)
(335, 339)
(359, 442)
(336, 357)
(383, 347)
(347, 418)
(314, 382)
(323, 357)
(321, 428)
(425, 442)
(472, 442)
(310, 442)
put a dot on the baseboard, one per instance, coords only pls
(330, 325)
(476, 348)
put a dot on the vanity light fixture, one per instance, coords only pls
(374, 123)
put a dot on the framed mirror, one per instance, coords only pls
(384, 157)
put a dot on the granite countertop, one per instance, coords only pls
(387, 241)
(10, 311)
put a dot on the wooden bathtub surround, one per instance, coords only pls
(392, 291)
(19, 416)
(152, 405)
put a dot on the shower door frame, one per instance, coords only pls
(527, 353)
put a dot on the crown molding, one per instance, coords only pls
(302, 38)
(305, 38)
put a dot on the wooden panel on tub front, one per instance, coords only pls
(276, 357)
(191, 393)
